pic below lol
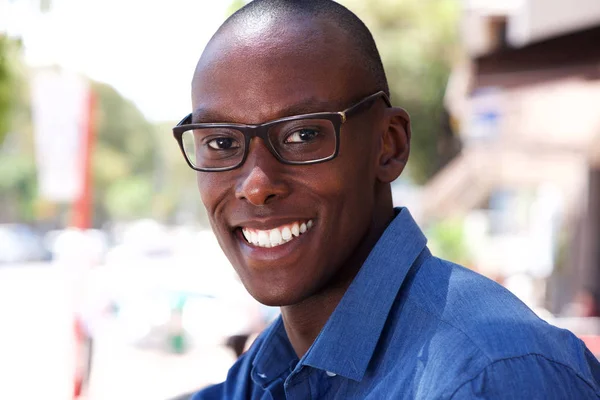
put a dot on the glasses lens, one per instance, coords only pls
(213, 147)
(304, 140)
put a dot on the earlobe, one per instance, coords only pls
(395, 144)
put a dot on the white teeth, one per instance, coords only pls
(295, 229)
(247, 235)
(275, 237)
(286, 234)
(263, 239)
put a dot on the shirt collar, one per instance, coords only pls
(348, 339)
(275, 355)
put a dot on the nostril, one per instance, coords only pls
(269, 198)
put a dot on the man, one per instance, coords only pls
(296, 143)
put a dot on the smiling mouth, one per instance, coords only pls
(276, 236)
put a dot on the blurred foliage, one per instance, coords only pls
(5, 90)
(124, 158)
(18, 185)
(8, 50)
(447, 241)
(235, 5)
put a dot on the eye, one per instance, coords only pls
(223, 143)
(302, 136)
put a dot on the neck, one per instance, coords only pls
(304, 321)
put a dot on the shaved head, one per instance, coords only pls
(313, 21)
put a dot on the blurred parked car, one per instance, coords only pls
(20, 243)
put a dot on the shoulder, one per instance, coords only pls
(532, 376)
(492, 328)
(484, 313)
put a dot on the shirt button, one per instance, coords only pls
(330, 373)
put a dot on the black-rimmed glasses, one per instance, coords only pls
(297, 140)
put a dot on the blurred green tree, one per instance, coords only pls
(447, 240)
(17, 175)
(125, 158)
(10, 84)
(235, 5)
(7, 83)
(4, 88)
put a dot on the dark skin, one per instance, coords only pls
(260, 72)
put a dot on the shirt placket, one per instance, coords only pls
(297, 386)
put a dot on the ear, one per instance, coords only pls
(395, 144)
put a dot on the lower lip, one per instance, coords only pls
(271, 253)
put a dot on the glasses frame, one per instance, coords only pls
(261, 131)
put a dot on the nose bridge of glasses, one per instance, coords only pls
(261, 132)
(260, 146)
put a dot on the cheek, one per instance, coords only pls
(346, 185)
(357, 177)
(213, 193)
(357, 163)
(212, 190)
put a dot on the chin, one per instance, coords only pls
(276, 295)
(285, 274)
(274, 292)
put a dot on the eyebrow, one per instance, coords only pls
(306, 106)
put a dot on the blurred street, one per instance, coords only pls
(34, 334)
(121, 371)
(36, 340)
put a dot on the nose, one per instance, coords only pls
(260, 182)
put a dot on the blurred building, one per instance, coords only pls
(526, 102)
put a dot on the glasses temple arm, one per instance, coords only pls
(366, 103)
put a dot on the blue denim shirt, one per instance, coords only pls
(413, 326)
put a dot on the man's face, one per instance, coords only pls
(273, 74)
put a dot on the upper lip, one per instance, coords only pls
(268, 223)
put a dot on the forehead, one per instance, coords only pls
(257, 73)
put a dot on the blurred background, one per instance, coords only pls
(112, 285)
